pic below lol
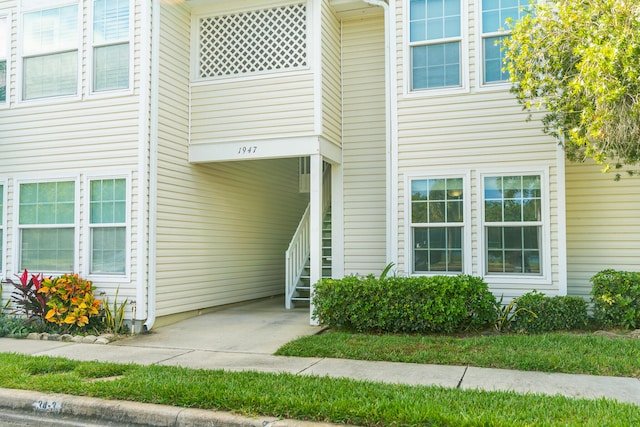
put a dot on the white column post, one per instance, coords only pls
(315, 219)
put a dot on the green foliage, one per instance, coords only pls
(71, 300)
(13, 326)
(507, 314)
(559, 313)
(405, 304)
(616, 299)
(579, 61)
(114, 314)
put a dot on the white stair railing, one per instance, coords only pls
(297, 255)
(300, 247)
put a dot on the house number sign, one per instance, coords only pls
(247, 150)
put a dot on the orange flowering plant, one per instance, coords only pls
(71, 300)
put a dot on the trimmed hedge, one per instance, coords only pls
(616, 299)
(559, 313)
(405, 304)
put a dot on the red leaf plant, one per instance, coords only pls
(26, 298)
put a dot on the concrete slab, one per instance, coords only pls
(110, 353)
(24, 346)
(389, 372)
(260, 327)
(578, 386)
(241, 362)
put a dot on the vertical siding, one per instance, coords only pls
(364, 145)
(74, 137)
(603, 224)
(331, 80)
(222, 228)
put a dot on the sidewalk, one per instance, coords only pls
(244, 337)
(135, 351)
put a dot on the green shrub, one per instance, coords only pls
(13, 326)
(545, 314)
(405, 304)
(616, 299)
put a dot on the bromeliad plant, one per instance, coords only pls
(27, 297)
(71, 300)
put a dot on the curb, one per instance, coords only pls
(126, 412)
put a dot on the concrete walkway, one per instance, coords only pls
(244, 337)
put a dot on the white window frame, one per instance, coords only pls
(238, 7)
(27, 6)
(94, 45)
(545, 233)
(17, 228)
(7, 15)
(464, 55)
(466, 223)
(115, 277)
(480, 54)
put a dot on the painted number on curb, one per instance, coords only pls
(47, 406)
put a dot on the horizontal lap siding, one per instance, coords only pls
(364, 149)
(482, 132)
(477, 131)
(331, 78)
(90, 136)
(603, 224)
(222, 228)
(279, 105)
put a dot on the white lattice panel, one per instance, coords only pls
(253, 42)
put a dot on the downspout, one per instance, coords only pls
(153, 164)
(143, 148)
(391, 141)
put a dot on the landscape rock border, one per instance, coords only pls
(87, 339)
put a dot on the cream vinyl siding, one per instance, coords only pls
(78, 137)
(603, 224)
(482, 132)
(364, 145)
(331, 78)
(222, 228)
(275, 106)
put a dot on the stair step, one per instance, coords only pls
(300, 299)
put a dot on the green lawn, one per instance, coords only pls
(307, 398)
(559, 352)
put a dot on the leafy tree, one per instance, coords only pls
(579, 61)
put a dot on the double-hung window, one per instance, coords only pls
(495, 14)
(4, 56)
(513, 221)
(437, 225)
(435, 43)
(47, 226)
(108, 226)
(50, 50)
(111, 51)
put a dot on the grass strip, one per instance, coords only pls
(558, 352)
(307, 398)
